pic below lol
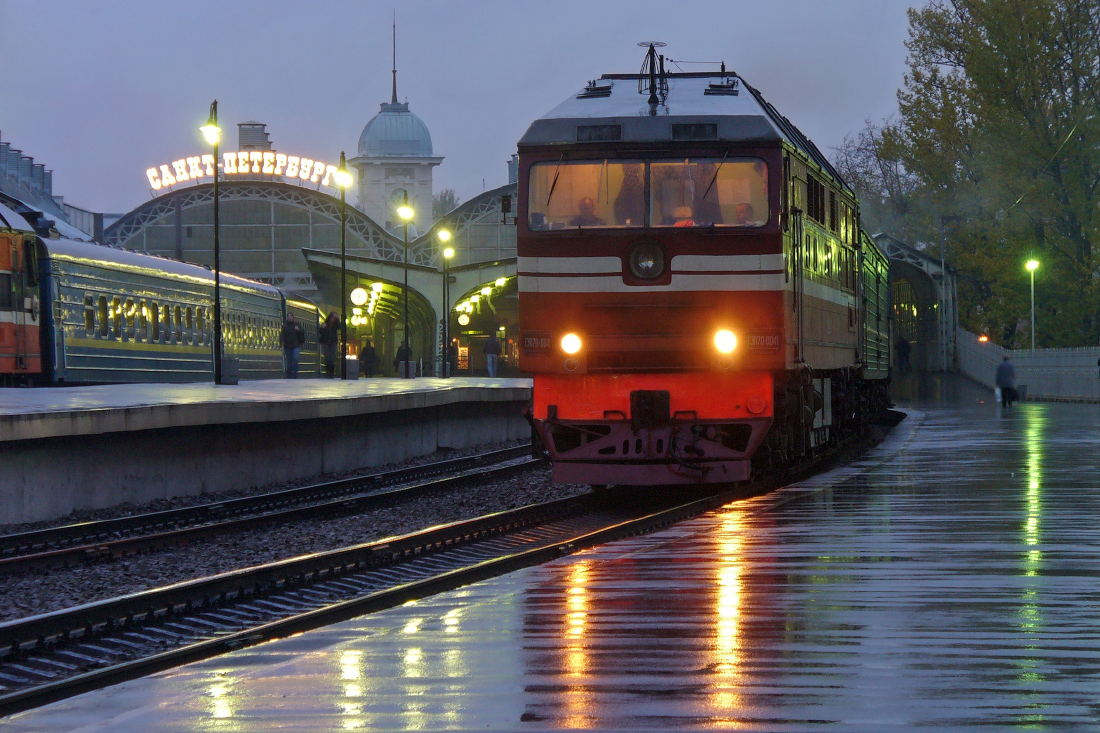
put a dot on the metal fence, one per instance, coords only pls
(1071, 375)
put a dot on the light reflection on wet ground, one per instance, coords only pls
(951, 584)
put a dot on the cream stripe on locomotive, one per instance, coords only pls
(606, 283)
(739, 264)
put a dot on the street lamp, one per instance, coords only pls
(213, 133)
(343, 180)
(406, 213)
(448, 253)
(1032, 266)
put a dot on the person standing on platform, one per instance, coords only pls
(902, 350)
(369, 358)
(492, 353)
(293, 338)
(328, 338)
(404, 353)
(1006, 381)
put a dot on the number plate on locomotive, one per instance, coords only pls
(765, 340)
(536, 343)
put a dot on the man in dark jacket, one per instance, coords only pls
(404, 354)
(293, 338)
(492, 353)
(1006, 381)
(328, 338)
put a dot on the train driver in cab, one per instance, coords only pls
(746, 216)
(586, 215)
(682, 216)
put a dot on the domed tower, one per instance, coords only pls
(395, 153)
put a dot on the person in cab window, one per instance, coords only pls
(293, 337)
(682, 217)
(746, 216)
(586, 215)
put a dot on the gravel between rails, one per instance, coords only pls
(178, 502)
(36, 593)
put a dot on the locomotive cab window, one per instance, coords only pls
(590, 194)
(7, 296)
(707, 192)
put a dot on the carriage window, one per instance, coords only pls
(731, 192)
(89, 315)
(166, 323)
(130, 312)
(116, 317)
(143, 324)
(201, 323)
(103, 316)
(177, 327)
(192, 337)
(608, 193)
(154, 318)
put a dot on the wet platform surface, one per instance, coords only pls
(55, 411)
(947, 580)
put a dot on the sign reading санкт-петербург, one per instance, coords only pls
(269, 163)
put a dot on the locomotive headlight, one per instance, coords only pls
(725, 341)
(647, 261)
(571, 343)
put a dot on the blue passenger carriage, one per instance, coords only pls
(120, 316)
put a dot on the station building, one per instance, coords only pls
(280, 223)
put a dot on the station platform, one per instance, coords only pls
(66, 448)
(945, 580)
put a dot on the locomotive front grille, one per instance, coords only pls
(647, 361)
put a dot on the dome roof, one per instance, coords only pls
(395, 131)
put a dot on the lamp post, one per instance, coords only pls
(343, 180)
(1032, 266)
(406, 213)
(448, 253)
(212, 133)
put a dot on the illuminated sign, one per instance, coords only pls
(267, 162)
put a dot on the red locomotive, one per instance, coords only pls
(696, 297)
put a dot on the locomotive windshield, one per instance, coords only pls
(731, 192)
(608, 193)
(695, 192)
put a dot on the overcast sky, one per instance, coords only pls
(100, 91)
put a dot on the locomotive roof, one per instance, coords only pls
(12, 220)
(155, 266)
(722, 99)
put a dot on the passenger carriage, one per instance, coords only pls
(79, 313)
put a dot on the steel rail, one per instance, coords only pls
(580, 524)
(60, 546)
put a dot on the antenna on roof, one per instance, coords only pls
(393, 97)
(652, 79)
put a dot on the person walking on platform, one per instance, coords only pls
(492, 353)
(293, 338)
(1006, 381)
(369, 358)
(328, 338)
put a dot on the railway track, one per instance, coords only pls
(56, 655)
(111, 538)
(64, 653)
